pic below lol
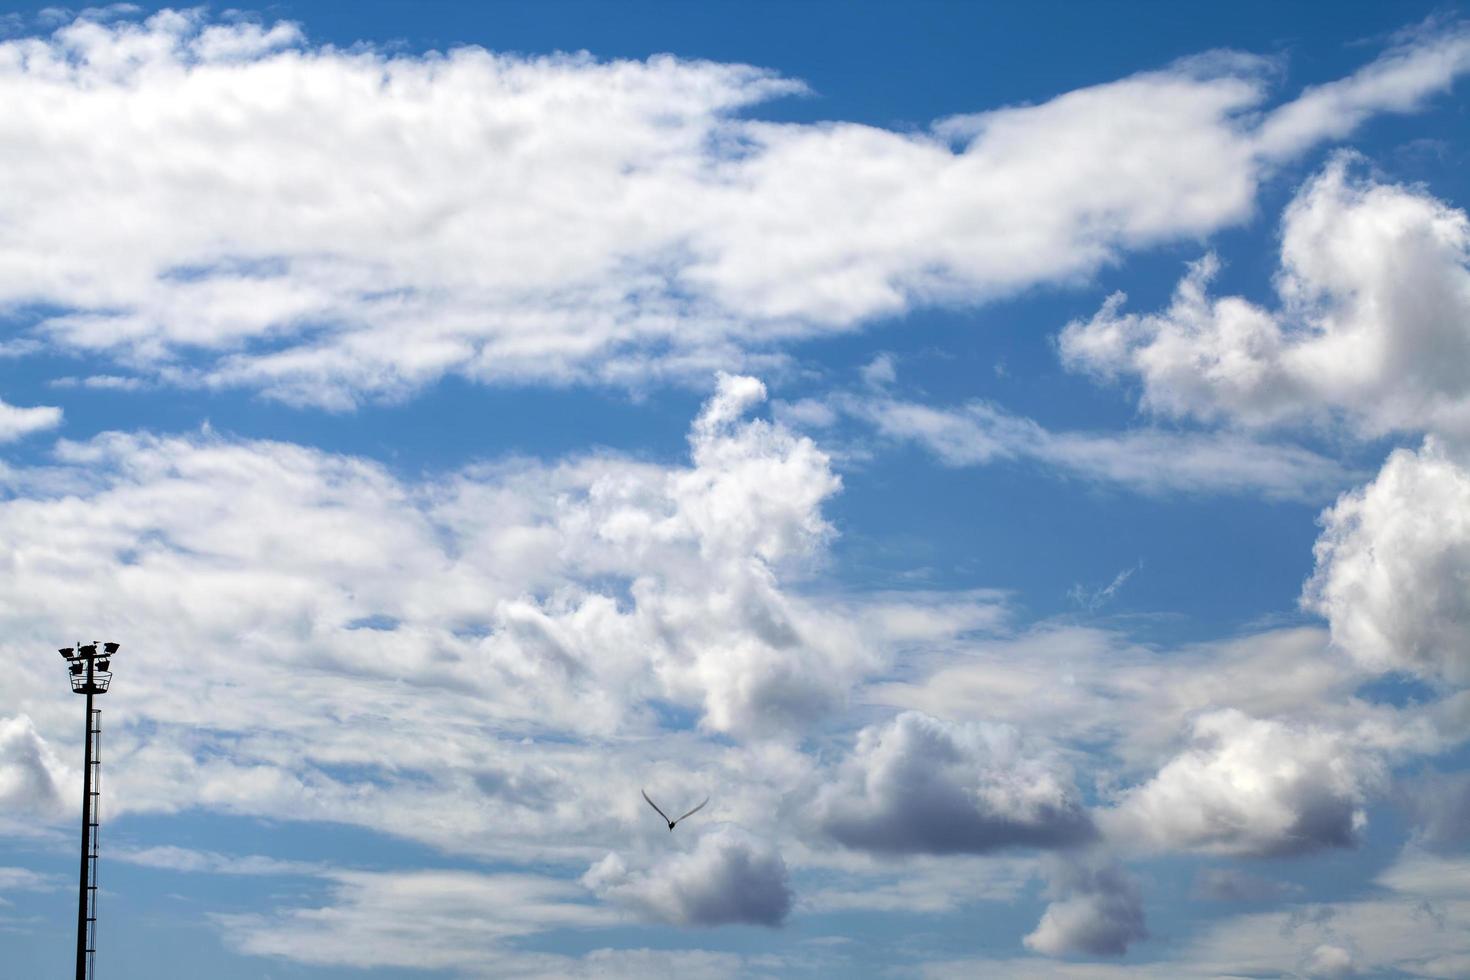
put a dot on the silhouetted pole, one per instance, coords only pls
(89, 676)
(86, 835)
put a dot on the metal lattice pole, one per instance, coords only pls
(90, 675)
(94, 819)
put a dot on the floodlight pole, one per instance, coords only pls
(83, 887)
(90, 676)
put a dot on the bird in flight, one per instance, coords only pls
(666, 816)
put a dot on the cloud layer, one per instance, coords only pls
(304, 590)
(490, 659)
(240, 208)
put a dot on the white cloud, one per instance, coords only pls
(1097, 910)
(727, 879)
(1372, 325)
(468, 922)
(324, 224)
(16, 423)
(170, 857)
(922, 785)
(30, 774)
(1393, 561)
(25, 880)
(879, 371)
(1396, 82)
(1250, 787)
(463, 922)
(419, 919)
(1151, 460)
(640, 964)
(1331, 962)
(1428, 875)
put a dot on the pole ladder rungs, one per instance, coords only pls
(93, 820)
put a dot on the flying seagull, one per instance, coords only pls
(666, 816)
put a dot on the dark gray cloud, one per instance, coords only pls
(1232, 885)
(1096, 910)
(728, 879)
(922, 785)
(27, 783)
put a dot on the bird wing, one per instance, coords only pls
(695, 810)
(653, 804)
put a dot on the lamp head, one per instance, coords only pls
(111, 648)
(89, 650)
(67, 652)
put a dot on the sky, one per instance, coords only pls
(1013, 460)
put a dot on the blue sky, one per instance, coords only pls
(1013, 460)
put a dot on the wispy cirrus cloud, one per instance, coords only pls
(1147, 460)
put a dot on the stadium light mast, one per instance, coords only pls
(90, 675)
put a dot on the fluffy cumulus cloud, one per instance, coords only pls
(1393, 567)
(1097, 910)
(238, 207)
(1251, 787)
(1372, 328)
(727, 879)
(319, 612)
(922, 785)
